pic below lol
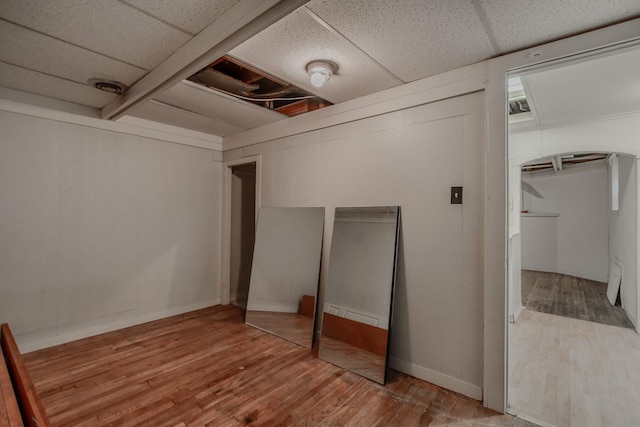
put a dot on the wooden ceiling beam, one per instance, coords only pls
(244, 20)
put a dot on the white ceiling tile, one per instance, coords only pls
(42, 53)
(605, 86)
(413, 38)
(517, 24)
(210, 103)
(285, 48)
(184, 119)
(190, 15)
(108, 27)
(41, 84)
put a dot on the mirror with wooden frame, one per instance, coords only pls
(285, 270)
(359, 290)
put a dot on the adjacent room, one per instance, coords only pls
(573, 342)
(294, 212)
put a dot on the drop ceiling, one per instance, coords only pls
(52, 48)
(593, 88)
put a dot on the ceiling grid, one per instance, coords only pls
(52, 49)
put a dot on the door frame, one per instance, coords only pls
(605, 147)
(496, 230)
(225, 257)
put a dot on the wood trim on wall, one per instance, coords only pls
(128, 126)
(30, 403)
(9, 410)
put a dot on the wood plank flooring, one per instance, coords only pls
(208, 368)
(569, 372)
(570, 296)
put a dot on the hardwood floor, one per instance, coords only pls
(570, 296)
(209, 368)
(569, 372)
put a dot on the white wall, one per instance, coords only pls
(100, 229)
(618, 135)
(407, 158)
(622, 233)
(515, 278)
(580, 197)
(514, 206)
(539, 242)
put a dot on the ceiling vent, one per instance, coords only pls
(519, 106)
(108, 86)
(520, 110)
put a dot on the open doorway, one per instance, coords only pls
(573, 214)
(240, 213)
(571, 236)
(243, 231)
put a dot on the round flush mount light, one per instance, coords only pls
(108, 85)
(320, 72)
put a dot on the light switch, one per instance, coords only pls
(456, 195)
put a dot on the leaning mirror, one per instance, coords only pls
(284, 274)
(359, 290)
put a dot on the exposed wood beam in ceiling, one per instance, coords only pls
(559, 163)
(232, 77)
(244, 20)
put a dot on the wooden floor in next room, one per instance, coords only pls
(208, 368)
(571, 296)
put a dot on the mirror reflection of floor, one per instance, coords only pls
(290, 326)
(571, 372)
(352, 358)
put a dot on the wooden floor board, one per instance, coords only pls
(208, 368)
(570, 296)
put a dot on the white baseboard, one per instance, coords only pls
(42, 339)
(437, 378)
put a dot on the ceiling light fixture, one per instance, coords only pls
(321, 71)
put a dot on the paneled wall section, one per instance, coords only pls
(100, 230)
(408, 158)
